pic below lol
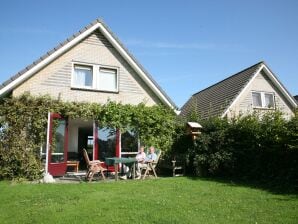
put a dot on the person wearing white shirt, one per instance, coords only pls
(141, 155)
(149, 158)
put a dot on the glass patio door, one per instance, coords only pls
(58, 142)
(106, 142)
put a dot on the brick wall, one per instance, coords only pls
(261, 83)
(55, 78)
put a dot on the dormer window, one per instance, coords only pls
(95, 77)
(262, 100)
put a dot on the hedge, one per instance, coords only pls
(254, 147)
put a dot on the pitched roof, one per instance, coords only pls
(296, 98)
(218, 98)
(74, 39)
(215, 99)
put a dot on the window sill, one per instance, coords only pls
(93, 90)
(263, 108)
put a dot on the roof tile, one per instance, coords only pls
(215, 99)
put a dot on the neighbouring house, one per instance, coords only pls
(90, 66)
(254, 89)
(296, 98)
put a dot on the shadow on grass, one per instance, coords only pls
(275, 188)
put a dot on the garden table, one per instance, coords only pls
(117, 160)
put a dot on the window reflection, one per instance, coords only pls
(106, 142)
(58, 146)
(129, 141)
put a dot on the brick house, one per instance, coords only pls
(90, 66)
(253, 89)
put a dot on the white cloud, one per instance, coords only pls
(187, 46)
(168, 45)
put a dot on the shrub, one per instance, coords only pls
(16, 163)
(248, 147)
(211, 154)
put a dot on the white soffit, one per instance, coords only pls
(242, 91)
(76, 40)
(280, 86)
(272, 78)
(47, 60)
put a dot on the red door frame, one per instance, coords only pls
(95, 142)
(57, 169)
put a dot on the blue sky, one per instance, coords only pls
(185, 45)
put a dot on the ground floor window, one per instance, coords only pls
(106, 143)
(129, 141)
(58, 143)
(70, 137)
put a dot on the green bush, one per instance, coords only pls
(211, 154)
(23, 123)
(19, 164)
(259, 147)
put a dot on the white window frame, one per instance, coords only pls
(95, 74)
(263, 101)
(73, 73)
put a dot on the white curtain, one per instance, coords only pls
(256, 100)
(83, 77)
(107, 79)
(269, 100)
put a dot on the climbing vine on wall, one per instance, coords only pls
(23, 122)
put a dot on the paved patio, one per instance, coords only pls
(79, 177)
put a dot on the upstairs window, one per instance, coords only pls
(269, 100)
(83, 76)
(256, 99)
(263, 100)
(95, 77)
(107, 79)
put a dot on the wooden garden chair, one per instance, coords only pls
(178, 165)
(93, 167)
(150, 168)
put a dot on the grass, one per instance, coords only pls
(165, 200)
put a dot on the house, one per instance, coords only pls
(254, 89)
(90, 66)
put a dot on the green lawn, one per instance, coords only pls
(165, 200)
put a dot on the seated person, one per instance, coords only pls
(140, 157)
(149, 158)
